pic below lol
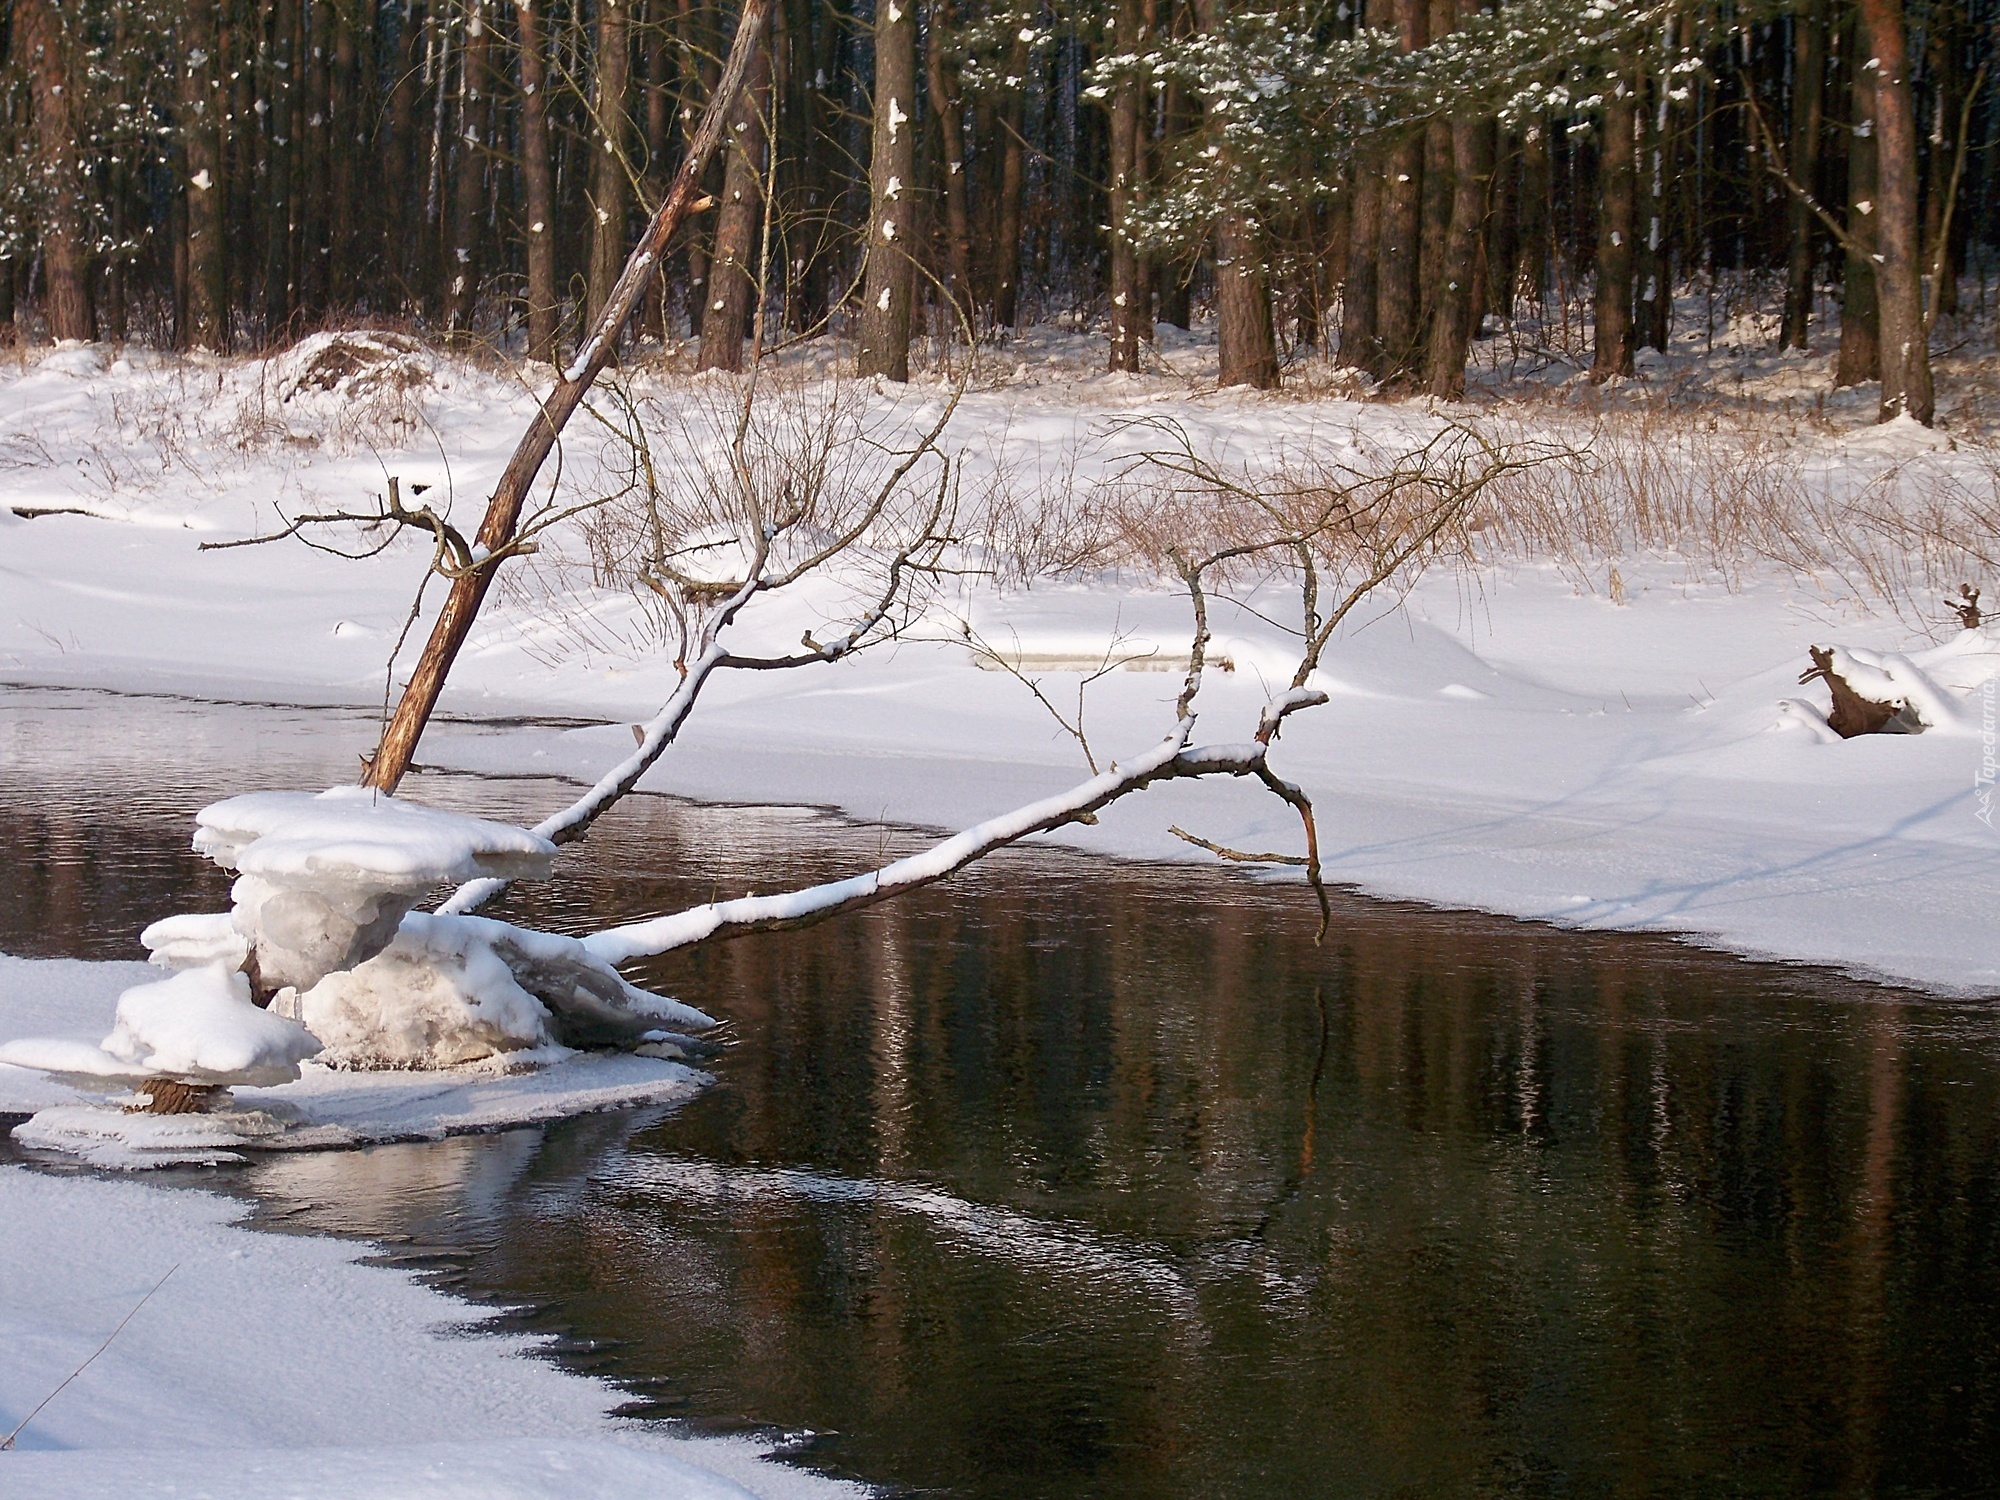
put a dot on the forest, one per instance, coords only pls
(1380, 187)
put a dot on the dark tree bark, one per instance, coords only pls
(1906, 362)
(207, 324)
(316, 179)
(1131, 309)
(941, 74)
(610, 136)
(1860, 357)
(1399, 294)
(1452, 323)
(468, 192)
(1007, 242)
(1531, 269)
(1653, 274)
(537, 182)
(1247, 350)
(1802, 162)
(890, 283)
(1360, 349)
(1613, 306)
(659, 136)
(40, 43)
(281, 206)
(733, 269)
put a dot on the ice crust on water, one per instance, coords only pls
(199, 1026)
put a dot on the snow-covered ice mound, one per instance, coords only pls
(326, 878)
(198, 1027)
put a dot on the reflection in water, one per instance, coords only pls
(1081, 1179)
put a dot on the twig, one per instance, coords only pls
(1240, 856)
(7, 1443)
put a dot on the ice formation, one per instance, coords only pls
(324, 880)
(453, 989)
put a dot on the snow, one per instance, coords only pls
(268, 1367)
(1504, 736)
(351, 834)
(199, 1026)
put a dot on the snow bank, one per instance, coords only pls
(272, 1367)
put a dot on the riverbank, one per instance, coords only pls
(1593, 737)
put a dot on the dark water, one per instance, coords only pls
(1078, 1179)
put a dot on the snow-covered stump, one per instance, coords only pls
(176, 1049)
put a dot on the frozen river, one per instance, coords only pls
(1079, 1178)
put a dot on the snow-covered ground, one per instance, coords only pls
(1594, 739)
(274, 1365)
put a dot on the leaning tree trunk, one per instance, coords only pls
(609, 194)
(39, 42)
(1808, 110)
(503, 512)
(733, 272)
(207, 201)
(1613, 307)
(890, 287)
(1906, 360)
(1860, 357)
(538, 182)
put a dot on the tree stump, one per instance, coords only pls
(1852, 714)
(170, 1096)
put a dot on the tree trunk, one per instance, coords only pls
(1399, 294)
(733, 270)
(281, 207)
(468, 195)
(1452, 321)
(1906, 361)
(1247, 351)
(1007, 247)
(942, 77)
(1808, 110)
(207, 324)
(888, 291)
(1860, 356)
(503, 512)
(315, 242)
(538, 183)
(1613, 306)
(609, 194)
(1654, 278)
(40, 43)
(659, 134)
(694, 76)
(1531, 269)
(1131, 309)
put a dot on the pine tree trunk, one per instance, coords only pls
(609, 194)
(1398, 292)
(659, 134)
(733, 270)
(1360, 349)
(1860, 357)
(315, 240)
(1802, 162)
(1531, 268)
(942, 77)
(1131, 310)
(696, 76)
(889, 287)
(207, 324)
(403, 220)
(39, 42)
(281, 208)
(1613, 307)
(537, 182)
(1246, 349)
(1654, 279)
(1906, 362)
(1013, 174)
(1452, 323)
(468, 193)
